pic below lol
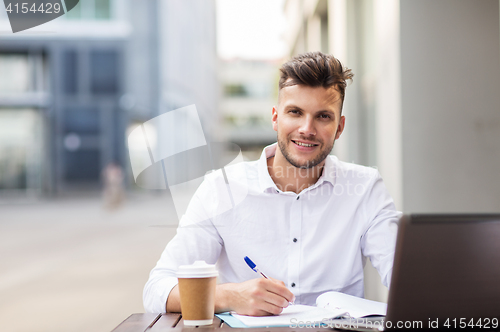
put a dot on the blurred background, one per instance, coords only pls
(78, 237)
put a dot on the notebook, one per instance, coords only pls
(329, 305)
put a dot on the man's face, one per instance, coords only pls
(308, 122)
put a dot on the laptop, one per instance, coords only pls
(446, 275)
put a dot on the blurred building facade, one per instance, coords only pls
(71, 88)
(416, 108)
(249, 91)
(424, 103)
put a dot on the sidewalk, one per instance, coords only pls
(70, 265)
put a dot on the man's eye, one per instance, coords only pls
(294, 111)
(325, 116)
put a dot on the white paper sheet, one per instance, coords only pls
(355, 306)
(291, 315)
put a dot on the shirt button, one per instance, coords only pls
(294, 239)
(298, 197)
(293, 284)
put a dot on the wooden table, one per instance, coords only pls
(174, 323)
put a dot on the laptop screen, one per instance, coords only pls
(446, 271)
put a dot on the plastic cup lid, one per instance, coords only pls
(199, 269)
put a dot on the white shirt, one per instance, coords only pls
(314, 241)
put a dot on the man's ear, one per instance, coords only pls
(274, 118)
(340, 127)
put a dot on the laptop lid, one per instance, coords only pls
(446, 267)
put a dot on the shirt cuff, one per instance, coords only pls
(155, 296)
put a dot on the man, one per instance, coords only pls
(308, 220)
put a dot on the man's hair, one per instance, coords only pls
(315, 69)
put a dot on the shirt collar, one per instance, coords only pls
(266, 183)
(329, 170)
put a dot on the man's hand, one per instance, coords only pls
(256, 297)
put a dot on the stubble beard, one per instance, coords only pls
(309, 163)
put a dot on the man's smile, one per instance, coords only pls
(305, 144)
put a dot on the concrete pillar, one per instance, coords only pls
(450, 94)
(388, 96)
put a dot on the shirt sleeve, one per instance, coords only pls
(378, 241)
(197, 239)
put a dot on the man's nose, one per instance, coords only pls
(307, 127)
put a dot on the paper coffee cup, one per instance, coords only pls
(197, 291)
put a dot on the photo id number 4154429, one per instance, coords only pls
(43, 8)
(462, 323)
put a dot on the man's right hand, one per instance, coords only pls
(256, 297)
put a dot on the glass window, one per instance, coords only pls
(82, 120)
(102, 10)
(75, 13)
(20, 145)
(21, 138)
(15, 73)
(90, 10)
(70, 72)
(235, 90)
(82, 165)
(103, 72)
(259, 90)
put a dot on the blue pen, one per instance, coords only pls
(253, 266)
